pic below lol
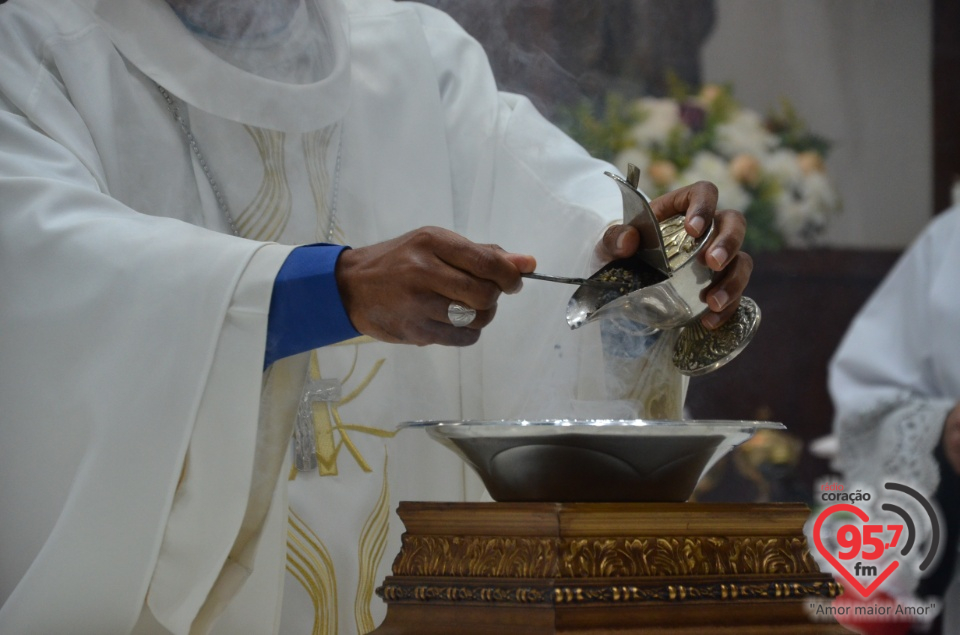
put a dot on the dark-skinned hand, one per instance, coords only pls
(399, 290)
(698, 202)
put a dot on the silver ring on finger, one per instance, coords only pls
(460, 315)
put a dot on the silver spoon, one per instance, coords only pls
(600, 284)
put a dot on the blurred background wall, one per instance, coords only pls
(859, 72)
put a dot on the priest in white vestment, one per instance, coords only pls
(895, 383)
(163, 339)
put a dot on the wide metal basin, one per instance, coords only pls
(591, 460)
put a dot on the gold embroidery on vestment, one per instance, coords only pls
(309, 561)
(267, 215)
(373, 543)
(327, 419)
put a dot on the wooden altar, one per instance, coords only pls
(603, 568)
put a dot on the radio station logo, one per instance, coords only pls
(865, 538)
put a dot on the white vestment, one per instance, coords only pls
(896, 374)
(141, 443)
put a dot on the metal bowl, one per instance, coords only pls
(591, 460)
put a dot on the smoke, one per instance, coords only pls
(615, 369)
(639, 370)
(560, 53)
(283, 40)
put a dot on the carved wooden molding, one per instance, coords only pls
(485, 568)
(531, 557)
(477, 556)
(703, 591)
(486, 594)
(696, 555)
(393, 591)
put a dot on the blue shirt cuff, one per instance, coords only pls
(306, 311)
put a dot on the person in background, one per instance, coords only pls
(895, 384)
(200, 381)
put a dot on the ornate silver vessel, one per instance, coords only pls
(671, 276)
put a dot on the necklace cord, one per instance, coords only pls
(218, 194)
(195, 148)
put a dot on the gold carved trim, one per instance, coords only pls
(533, 557)
(465, 593)
(476, 556)
(606, 594)
(682, 592)
(694, 555)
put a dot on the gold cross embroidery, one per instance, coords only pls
(319, 414)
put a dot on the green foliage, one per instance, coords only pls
(682, 146)
(793, 131)
(677, 89)
(605, 131)
(722, 107)
(762, 233)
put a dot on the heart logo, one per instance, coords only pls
(837, 565)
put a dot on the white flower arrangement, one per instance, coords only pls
(771, 168)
